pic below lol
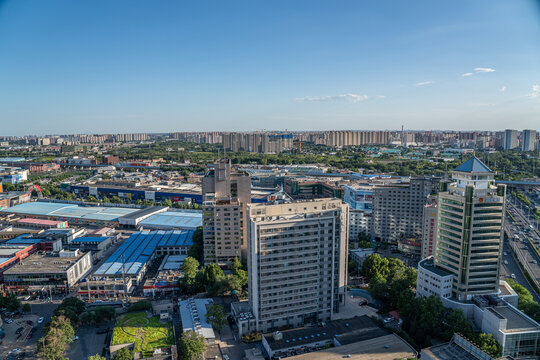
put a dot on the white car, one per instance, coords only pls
(513, 276)
(75, 338)
(505, 253)
(388, 320)
(40, 320)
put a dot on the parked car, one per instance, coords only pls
(75, 338)
(40, 320)
(513, 276)
(19, 330)
(8, 321)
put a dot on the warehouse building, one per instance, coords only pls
(136, 253)
(73, 214)
(173, 220)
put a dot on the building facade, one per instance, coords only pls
(429, 231)
(528, 140)
(398, 209)
(226, 195)
(297, 261)
(510, 139)
(470, 229)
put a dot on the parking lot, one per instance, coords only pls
(89, 343)
(17, 338)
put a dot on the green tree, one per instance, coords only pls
(167, 202)
(123, 354)
(197, 249)
(26, 308)
(190, 267)
(375, 265)
(235, 265)
(58, 334)
(10, 302)
(487, 343)
(192, 345)
(91, 198)
(106, 200)
(96, 357)
(216, 316)
(212, 274)
(242, 276)
(116, 200)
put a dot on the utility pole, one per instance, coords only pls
(124, 280)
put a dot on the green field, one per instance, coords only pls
(147, 333)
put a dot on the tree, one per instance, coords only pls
(197, 249)
(91, 198)
(106, 200)
(26, 308)
(190, 267)
(216, 316)
(242, 277)
(192, 345)
(167, 202)
(141, 305)
(116, 200)
(235, 265)
(487, 343)
(10, 302)
(212, 273)
(123, 354)
(58, 334)
(375, 265)
(96, 357)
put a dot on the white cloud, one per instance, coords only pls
(535, 92)
(467, 74)
(503, 89)
(484, 70)
(422, 83)
(343, 97)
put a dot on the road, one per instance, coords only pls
(516, 224)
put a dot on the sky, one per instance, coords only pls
(124, 66)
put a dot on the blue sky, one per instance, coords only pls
(105, 66)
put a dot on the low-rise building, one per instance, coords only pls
(93, 288)
(432, 280)
(45, 272)
(359, 255)
(193, 315)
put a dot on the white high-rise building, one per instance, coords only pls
(297, 262)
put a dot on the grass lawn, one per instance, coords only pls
(148, 334)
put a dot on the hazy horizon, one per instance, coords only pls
(131, 66)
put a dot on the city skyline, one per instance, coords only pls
(134, 67)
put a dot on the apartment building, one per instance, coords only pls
(510, 139)
(528, 140)
(225, 196)
(429, 230)
(355, 138)
(398, 208)
(265, 143)
(297, 261)
(470, 229)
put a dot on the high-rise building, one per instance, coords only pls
(429, 231)
(354, 138)
(528, 140)
(510, 139)
(398, 208)
(297, 261)
(470, 230)
(225, 196)
(266, 143)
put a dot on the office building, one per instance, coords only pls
(225, 196)
(528, 140)
(510, 139)
(297, 262)
(398, 208)
(470, 229)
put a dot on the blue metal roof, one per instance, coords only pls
(138, 249)
(473, 165)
